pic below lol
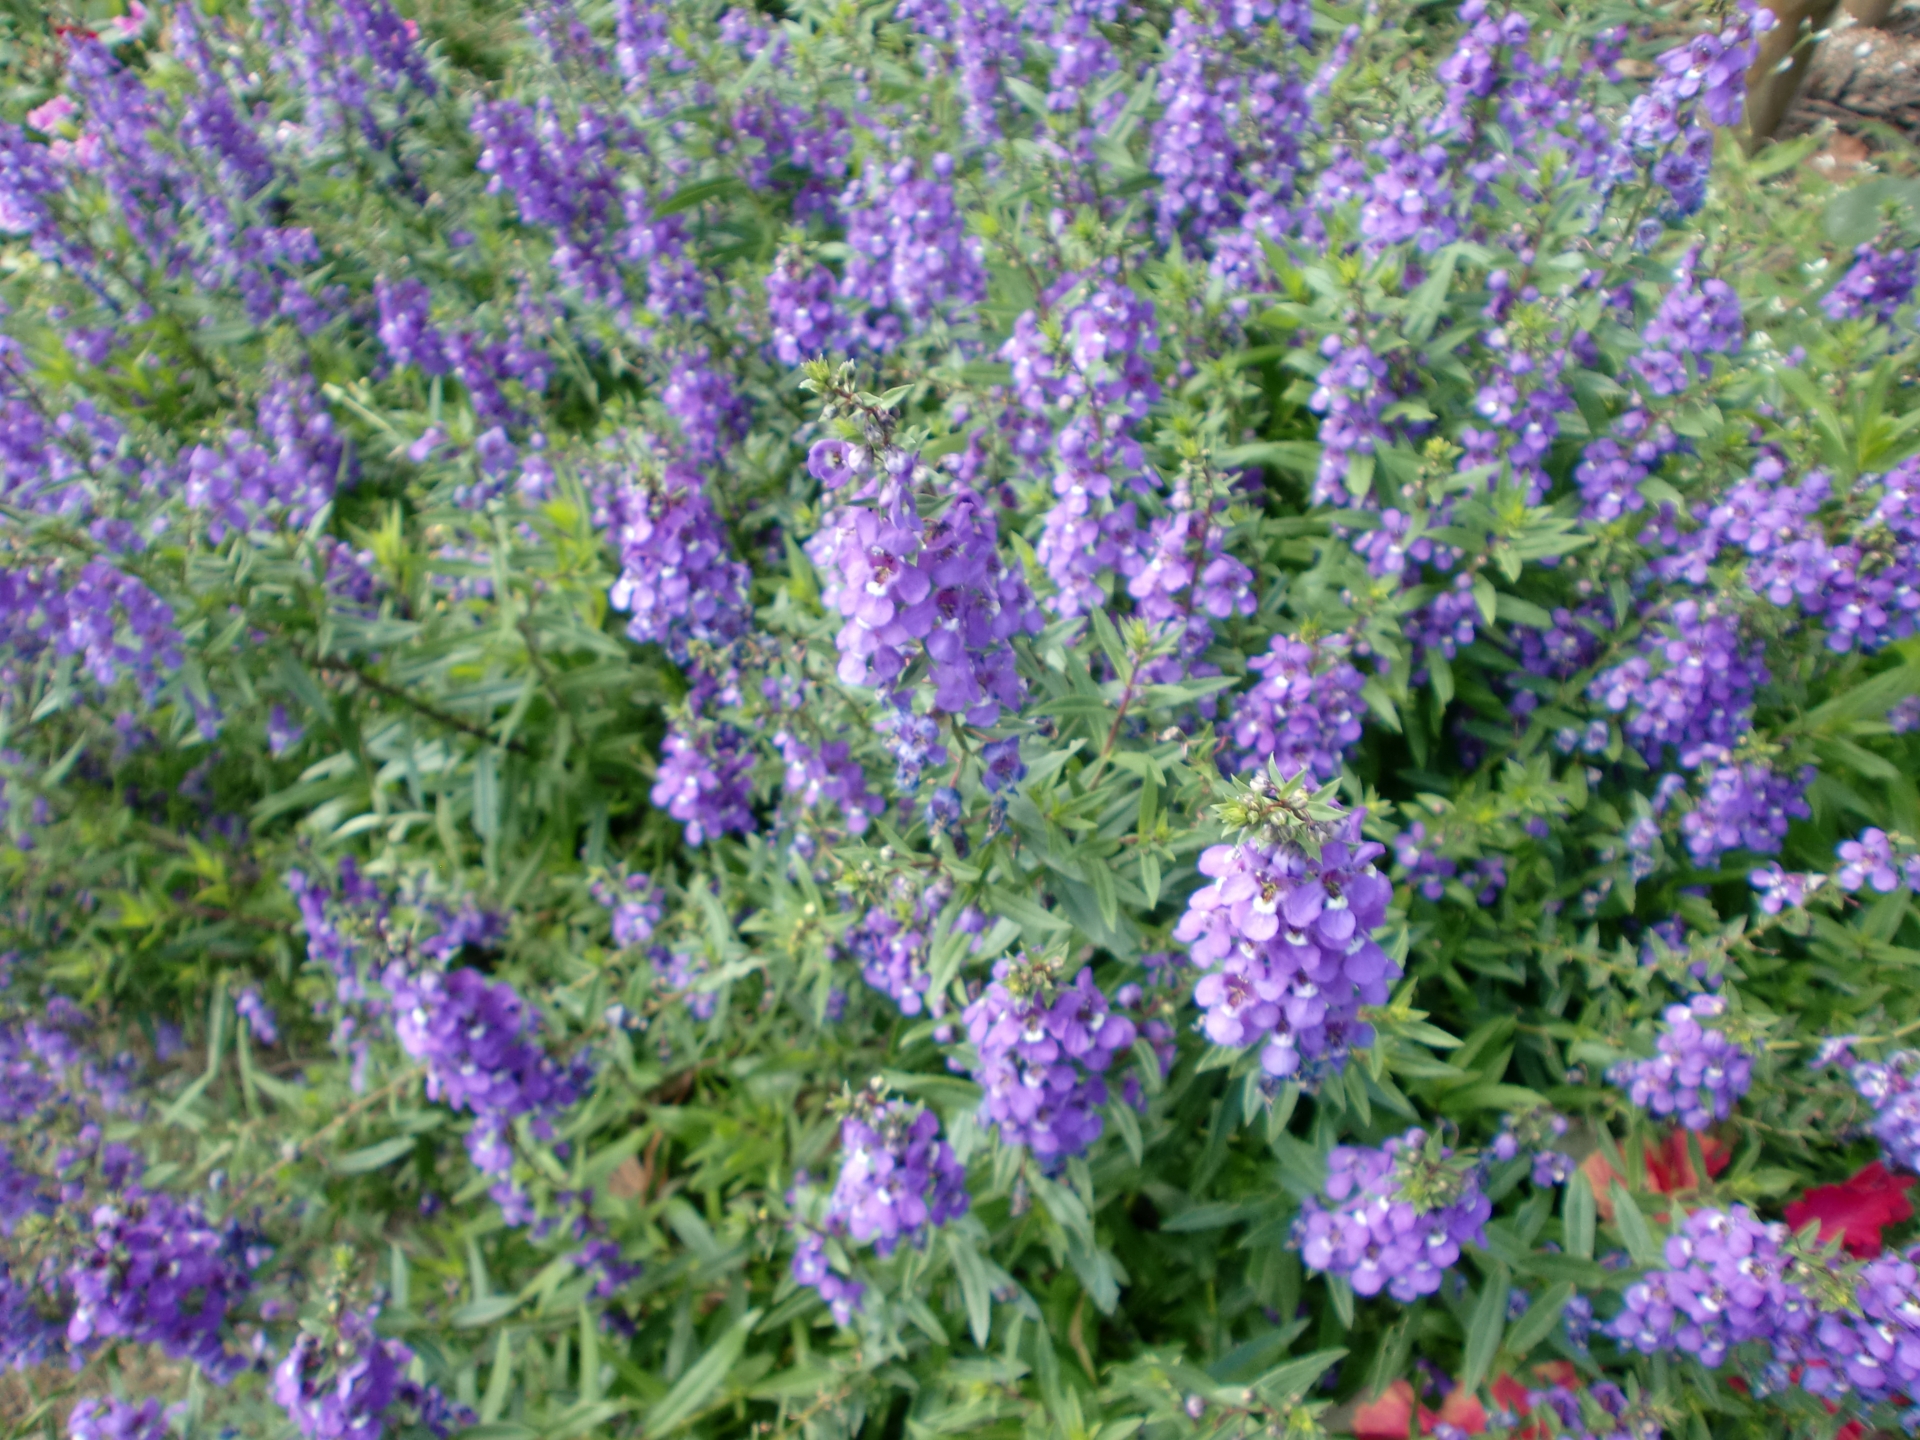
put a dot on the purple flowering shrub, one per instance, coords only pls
(1068, 719)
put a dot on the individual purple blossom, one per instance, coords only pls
(1904, 717)
(1780, 889)
(1001, 767)
(813, 1268)
(1393, 1218)
(1284, 942)
(1695, 1075)
(1042, 1048)
(282, 732)
(705, 780)
(1871, 861)
(636, 903)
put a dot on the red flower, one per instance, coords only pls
(1854, 1212)
(1387, 1418)
(1391, 1415)
(1669, 1170)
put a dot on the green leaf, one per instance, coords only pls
(1488, 1325)
(476, 1313)
(975, 1288)
(1285, 1383)
(1111, 643)
(1340, 1292)
(723, 187)
(1632, 1226)
(1128, 1124)
(1577, 1215)
(1534, 1326)
(1486, 598)
(373, 1157)
(694, 1389)
(500, 1381)
(486, 794)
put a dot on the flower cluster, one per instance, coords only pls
(352, 1385)
(111, 1418)
(475, 1039)
(1041, 1046)
(1284, 943)
(1731, 1278)
(898, 1180)
(1892, 1088)
(1392, 1218)
(908, 587)
(154, 1269)
(678, 577)
(1304, 711)
(1696, 1074)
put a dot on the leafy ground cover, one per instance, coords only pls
(945, 717)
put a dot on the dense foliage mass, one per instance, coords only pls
(1082, 719)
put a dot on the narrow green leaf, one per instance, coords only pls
(373, 1157)
(1577, 1214)
(1484, 1332)
(684, 1401)
(1128, 1124)
(975, 1288)
(1534, 1326)
(1632, 1226)
(500, 1382)
(1287, 1382)
(1341, 1293)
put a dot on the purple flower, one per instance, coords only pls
(679, 579)
(1695, 1075)
(705, 780)
(1743, 806)
(1042, 1047)
(1780, 889)
(1877, 284)
(907, 248)
(1285, 945)
(111, 1418)
(282, 733)
(1394, 1218)
(258, 1015)
(151, 1268)
(476, 1040)
(352, 1385)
